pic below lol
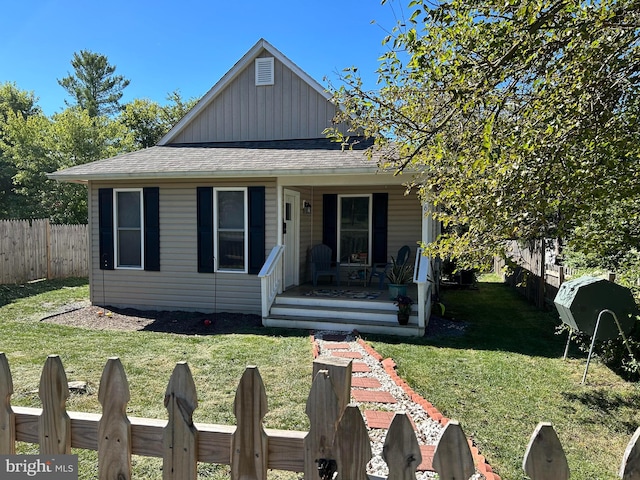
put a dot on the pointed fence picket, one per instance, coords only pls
(336, 446)
(114, 428)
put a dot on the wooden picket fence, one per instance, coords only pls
(337, 440)
(36, 249)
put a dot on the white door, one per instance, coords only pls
(290, 236)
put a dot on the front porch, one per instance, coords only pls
(342, 308)
(364, 222)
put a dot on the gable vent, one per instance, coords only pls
(264, 71)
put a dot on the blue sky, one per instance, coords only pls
(188, 45)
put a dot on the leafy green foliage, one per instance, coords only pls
(142, 118)
(400, 273)
(32, 144)
(609, 240)
(176, 108)
(13, 101)
(38, 145)
(94, 86)
(516, 119)
(148, 121)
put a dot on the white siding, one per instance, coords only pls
(178, 285)
(289, 109)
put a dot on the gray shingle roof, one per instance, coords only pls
(242, 159)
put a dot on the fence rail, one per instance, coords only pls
(35, 249)
(337, 437)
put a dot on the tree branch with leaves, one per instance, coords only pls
(516, 119)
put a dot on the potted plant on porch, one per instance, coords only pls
(399, 276)
(404, 308)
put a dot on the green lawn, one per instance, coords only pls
(284, 359)
(499, 380)
(507, 373)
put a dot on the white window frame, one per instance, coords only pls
(116, 229)
(339, 221)
(216, 242)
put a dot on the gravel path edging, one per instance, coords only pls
(389, 366)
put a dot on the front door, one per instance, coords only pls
(291, 233)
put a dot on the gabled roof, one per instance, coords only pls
(235, 159)
(297, 157)
(246, 60)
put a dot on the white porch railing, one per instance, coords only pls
(421, 277)
(271, 277)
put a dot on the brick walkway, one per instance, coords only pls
(367, 389)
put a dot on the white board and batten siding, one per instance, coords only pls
(242, 111)
(178, 285)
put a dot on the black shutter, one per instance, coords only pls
(205, 229)
(105, 222)
(379, 227)
(151, 198)
(256, 229)
(330, 222)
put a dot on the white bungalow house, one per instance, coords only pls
(222, 214)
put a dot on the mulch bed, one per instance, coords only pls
(186, 323)
(191, 323)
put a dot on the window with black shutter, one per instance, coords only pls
(129, 225)
(231, 229)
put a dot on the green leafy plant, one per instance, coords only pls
(441, 308)
(464, 88)
(399, 273)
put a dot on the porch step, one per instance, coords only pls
(320, 311)
(347, 304)
(339, 314)
(344, 325)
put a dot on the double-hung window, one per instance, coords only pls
(129, 228)
(354, 226)
(231, 227)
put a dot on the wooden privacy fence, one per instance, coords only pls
(337, 440)
(533, 276)
(35, 249)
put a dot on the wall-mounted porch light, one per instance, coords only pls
(306, 207)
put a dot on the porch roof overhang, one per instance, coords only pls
(302, 161)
